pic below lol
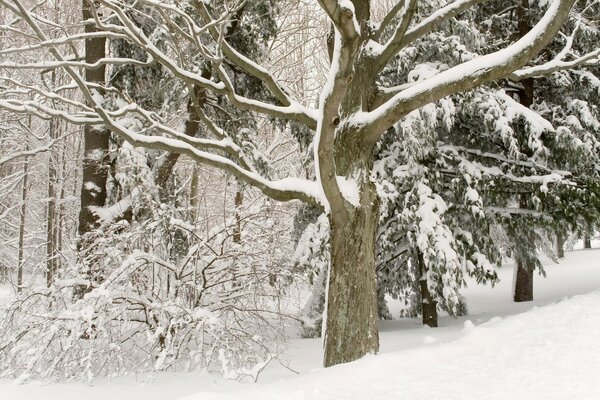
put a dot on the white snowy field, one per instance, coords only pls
(547, 349)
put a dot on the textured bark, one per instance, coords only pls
(352, 315)
(96, 138)
(428, 305)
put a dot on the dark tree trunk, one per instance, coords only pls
(428, 304)
(238, 201)
(96, 164)
(352, 311)
(165, 169)
(523, 283)
(587, 241)
(524, 274)
(560, 245)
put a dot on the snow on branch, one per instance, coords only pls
(393, 44)
(343, 16)
(291, 110)
(467, 75)
(560, 62)
(404, 36)
(283, 190)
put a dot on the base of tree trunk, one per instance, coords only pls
(351, 329)
(428, 305)
(523, 284)
(587, 241)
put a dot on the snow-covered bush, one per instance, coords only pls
(171, 296)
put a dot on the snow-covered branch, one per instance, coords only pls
(393, 44)
(282, 190)
(467, 75)
(342, 15)
(404, 36)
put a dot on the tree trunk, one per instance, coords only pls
(238, 201)
(560, 245)
(428, 305)
(96, 164)
(587, 241)
(524, 274)
(351, 314)
(523, 283)
(194, 199)
(22, 226)
(523, 288)
(51, 253)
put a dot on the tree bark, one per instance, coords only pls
(560, 245)
(523, 283)
(96, 164)
(51, 252)
(352, 314)
(238, 201)
(428, 304)
(587, 241)
(524, 274)
(523, 289)
(22, 226)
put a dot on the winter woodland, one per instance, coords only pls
(185, 185)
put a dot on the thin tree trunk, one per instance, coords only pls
(20, 259)
(587, 241)
(194, 200)
(238, 201)
(428, 305)
(560, 245)
(352, 314)
(51, 255)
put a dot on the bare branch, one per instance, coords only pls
(394, 44)
(387, 20)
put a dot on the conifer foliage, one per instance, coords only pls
(417, 153)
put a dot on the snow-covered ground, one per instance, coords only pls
(548, 349)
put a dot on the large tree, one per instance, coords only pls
(353, 114)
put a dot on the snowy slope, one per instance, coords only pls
(550, 352)
(546, 353)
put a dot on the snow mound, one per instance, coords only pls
(547, 353)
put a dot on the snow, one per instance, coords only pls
(545, 349)
(350, 190)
